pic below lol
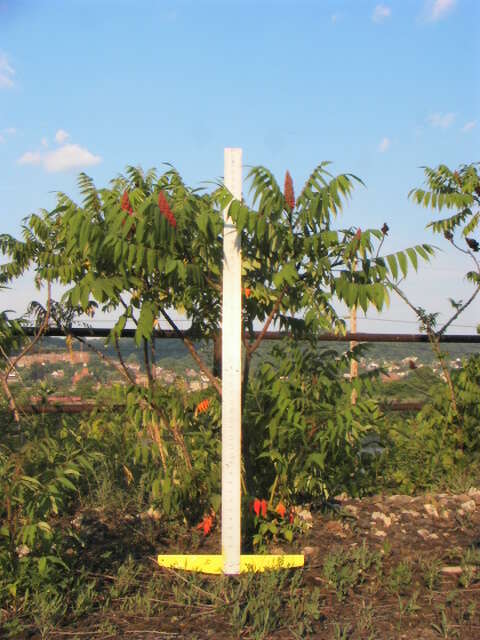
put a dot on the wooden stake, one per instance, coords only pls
(353, 363)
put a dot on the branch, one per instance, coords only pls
(400, 293)
(380, 246)
(458, 312)
(103, 356)
(468, 253)
(9, 361)
(32, 343)
(256, 344)
(13, 363)
(125, 306)
(434, 337)
(213, 284)
(126, 370)
(193, 352)
(148, 367)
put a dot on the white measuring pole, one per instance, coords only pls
(231, 373)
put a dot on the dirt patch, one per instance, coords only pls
(385, 568)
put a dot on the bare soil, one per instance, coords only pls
(421, 581)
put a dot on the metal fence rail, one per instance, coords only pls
(104, 332)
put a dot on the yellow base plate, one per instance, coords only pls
(214, 563)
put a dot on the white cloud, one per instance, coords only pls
(44, 142)
(6, 73)
(441, 120)
(381, 13)
(384, 145)
(30, 157)
(2, 139)
(438, 9)
(468, 126)
(61, 136)
(69, 156)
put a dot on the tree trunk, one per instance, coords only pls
(217, 355)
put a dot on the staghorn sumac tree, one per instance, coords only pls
(295, 263)
(149, 245)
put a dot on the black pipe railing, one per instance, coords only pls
(104, 332)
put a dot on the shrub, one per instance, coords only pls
(302, 428)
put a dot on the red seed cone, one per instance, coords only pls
(165, 209)
(125, 204)
(288, 191)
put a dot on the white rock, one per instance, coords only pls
(474, 493)
(469, 506)
(426, 535)
(305, 514)
(451, 571)
(431, 510)
(378, 515)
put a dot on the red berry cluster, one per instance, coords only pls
(165, 209)
(126, 206)
(288, 191)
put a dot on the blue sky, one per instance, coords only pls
(380, 89)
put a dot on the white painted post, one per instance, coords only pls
(231, 373)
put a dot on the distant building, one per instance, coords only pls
(76, 357)
(80, 375)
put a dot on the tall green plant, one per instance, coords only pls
(457, 191)
(149, 246)
(305, 434)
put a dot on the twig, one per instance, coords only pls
(434, 338)
(101, 355)
(23, 352)
(126, 370)
(147, 362)
(458, 312)
(268, 322)
(125, 306)
(193, 352)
